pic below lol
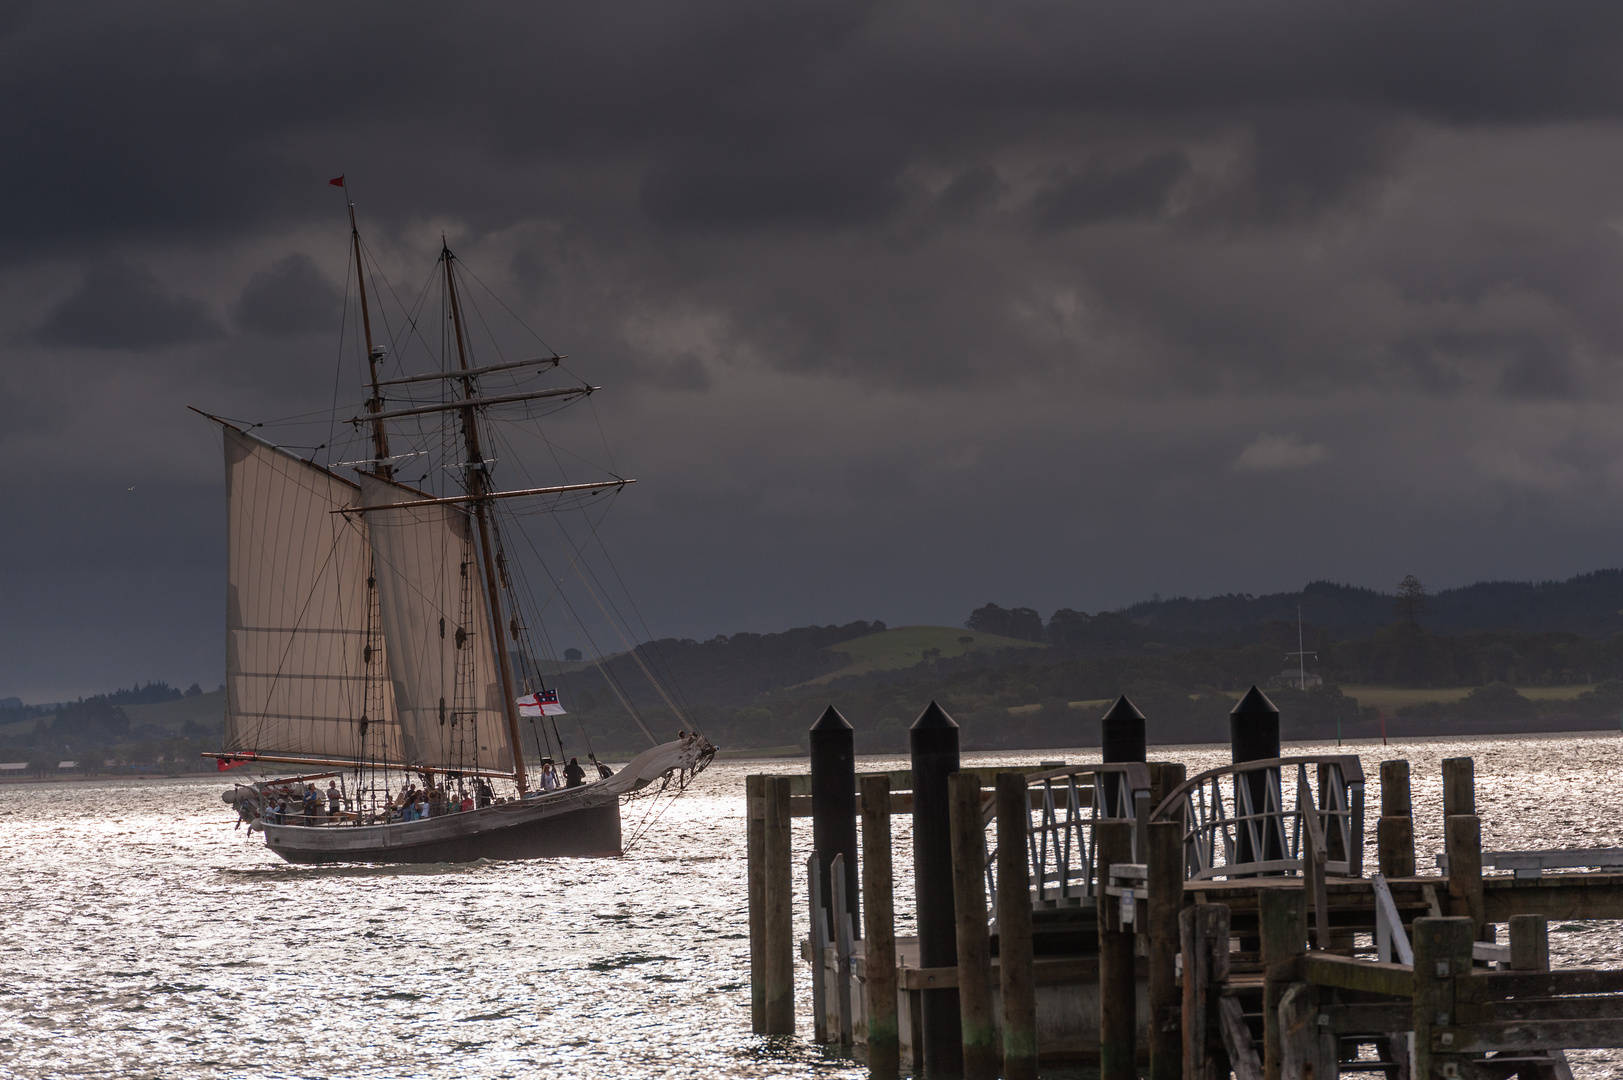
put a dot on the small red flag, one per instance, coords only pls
(337, 181)
(223, 764)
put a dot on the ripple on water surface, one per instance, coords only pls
(143, 937)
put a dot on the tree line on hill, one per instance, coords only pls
(1031, 705)
(1180, 659)
(96, 730)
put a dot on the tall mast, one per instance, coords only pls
(380, 436)
(478, 486)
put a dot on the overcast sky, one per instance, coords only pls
(898, 308)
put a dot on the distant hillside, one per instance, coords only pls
(1590, 605)
(207, 710)
(909, 646)
(723, 670)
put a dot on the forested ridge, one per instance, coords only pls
(1181, 660)
(1513, 656)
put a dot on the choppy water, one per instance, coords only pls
(141, 937)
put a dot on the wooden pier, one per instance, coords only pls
(1124, 915)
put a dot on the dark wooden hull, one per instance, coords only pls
(558, 826)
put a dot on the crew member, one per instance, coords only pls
(574, 775)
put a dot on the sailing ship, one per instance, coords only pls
(377, 637)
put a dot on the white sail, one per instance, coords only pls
(441, 654)
(296, 613)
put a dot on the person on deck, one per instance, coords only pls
(335, 798)
(482, 792)
(312, 804)
(603, 771)
(574, 775)
(549, 776)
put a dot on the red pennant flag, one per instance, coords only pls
(337, 181)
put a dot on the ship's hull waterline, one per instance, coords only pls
(567, 824)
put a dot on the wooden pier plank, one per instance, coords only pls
(1485, 986)
(1572, 1007)
(1345, 973)
(1528, 1035)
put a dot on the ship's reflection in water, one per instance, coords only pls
(142, 937)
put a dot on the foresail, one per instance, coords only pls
(296, 613)
(442, 658)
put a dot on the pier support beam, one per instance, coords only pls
(1118, 978)
(878, 909)
(755, 851)
(1204, 932)
(1529, 943)
(1442, 951)
(1459, 786)
(1165, 886)
(974, 945)
(933, 740)
(833, 793)
(779, 914)
(1283, 915)
(1462, 839)
(1394, 831)
(1016, 971)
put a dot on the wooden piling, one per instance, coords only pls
(1459, 786)
(1394, 831)
(1016, 968)
(1530, 951)
(779, 905)
(1118, 979)
(1529, 943)
(1203, 931)
(1254, 736)
(969, 908)
(1165, 777)
(1165, 885)
(833, 797)
(1462, 839)
(1442, 951)
(818, 940)
(933, 741)
(1283, 917)
(878, 904)
(755, 850)
(844, 946)
(1395, 797)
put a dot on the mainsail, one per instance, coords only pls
(297, 648)
(441, 650)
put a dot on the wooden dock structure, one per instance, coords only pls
(1127, 915)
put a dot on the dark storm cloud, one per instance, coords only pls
(291, 297)
(193, 119)
(1099, 192)
(121, 305)
(1096, 271)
